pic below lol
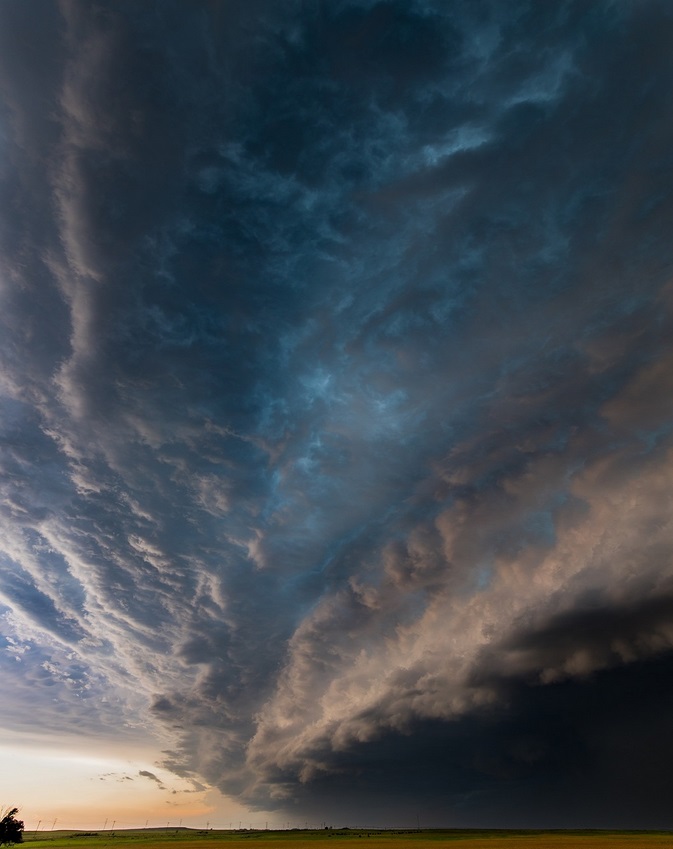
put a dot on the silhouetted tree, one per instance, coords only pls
(11, 829)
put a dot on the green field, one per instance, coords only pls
(347, 838)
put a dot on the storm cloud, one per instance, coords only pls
(336, 371)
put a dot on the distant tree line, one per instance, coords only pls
(11, 829)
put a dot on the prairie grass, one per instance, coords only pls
(349, 839)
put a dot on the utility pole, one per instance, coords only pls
(53, 824)
(38, 826)
(105, 824)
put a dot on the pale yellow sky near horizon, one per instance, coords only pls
(60, 788)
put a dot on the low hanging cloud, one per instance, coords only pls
(144, 773)
(335, 363)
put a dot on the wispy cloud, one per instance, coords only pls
(335, 367)
(152, 777)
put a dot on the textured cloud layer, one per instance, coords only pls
(336, 375)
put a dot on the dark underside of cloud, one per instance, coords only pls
(595, 752)
(336, 438)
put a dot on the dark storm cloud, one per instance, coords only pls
(594, 750)
(578, 643)
(336, 366)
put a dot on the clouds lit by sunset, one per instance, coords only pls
(336, 433)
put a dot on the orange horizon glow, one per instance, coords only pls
(55, 789)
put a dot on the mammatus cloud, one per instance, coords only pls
(336, 366)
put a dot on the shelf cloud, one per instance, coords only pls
(336, 373)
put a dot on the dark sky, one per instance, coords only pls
(336, 419)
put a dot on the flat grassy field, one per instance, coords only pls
(348, 839)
